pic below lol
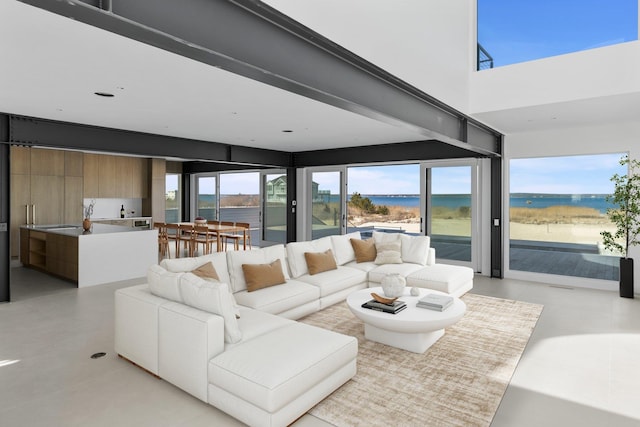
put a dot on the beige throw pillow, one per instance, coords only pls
(365, 250)
(260, 276)
(389, 253)
(206, 271)
(317, 262)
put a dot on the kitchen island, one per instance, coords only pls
(106, 253)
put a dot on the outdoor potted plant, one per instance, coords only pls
(626, 217)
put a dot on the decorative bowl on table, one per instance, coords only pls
(200, 220)
(393, 285)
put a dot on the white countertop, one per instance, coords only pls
(75, 230)
(138, 218)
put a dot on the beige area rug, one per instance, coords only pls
(459, 381)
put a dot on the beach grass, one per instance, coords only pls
(557, 215)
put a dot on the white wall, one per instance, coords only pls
(424, 42)
(607, 71)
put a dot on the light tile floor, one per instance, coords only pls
(581, 366)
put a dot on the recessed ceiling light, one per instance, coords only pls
(287, 131)
(105, 94)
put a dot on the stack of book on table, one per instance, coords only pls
(392, 308)
(435, 302)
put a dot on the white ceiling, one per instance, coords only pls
(561, 115)
(52, 66)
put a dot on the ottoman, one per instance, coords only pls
(455, 280)
(273, 379)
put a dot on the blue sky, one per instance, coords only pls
(515, 30)
(552, 175)
(397, 179)
(565, 175)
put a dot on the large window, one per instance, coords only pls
(173, 197)
(450, 216)
(517, 31)
(240, 200)
(557, 211)
(385, 198)
(326, 203)
(206, 200)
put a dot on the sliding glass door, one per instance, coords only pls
(327, 200)
(206, 197)
(450, 209)
(274, 207)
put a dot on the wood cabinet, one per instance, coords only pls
(139, 178)
(73, 200)
(37, 189)
(107, 176)
(52, 253)
(62, 256)
(91, 177)
(52, 184)
(47, 199)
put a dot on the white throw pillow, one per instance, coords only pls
(380, 237)
(415, 249)
(342, 248)
(218, 259)
(164, 283)
(213, 297)
(267, 255)
(296, 251)
(388, 253)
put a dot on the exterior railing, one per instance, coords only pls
(485, 61)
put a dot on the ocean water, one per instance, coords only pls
(454, 201)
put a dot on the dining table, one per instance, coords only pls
(220, 229)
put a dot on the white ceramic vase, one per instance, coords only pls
(393, 285)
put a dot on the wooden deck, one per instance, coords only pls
(563, 259)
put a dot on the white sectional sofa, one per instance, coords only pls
(240, 349)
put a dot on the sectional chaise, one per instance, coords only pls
(222, 326)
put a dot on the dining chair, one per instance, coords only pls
(163, 239)
(173, 231)
(238, 236)
(185, 235)
(205, 236)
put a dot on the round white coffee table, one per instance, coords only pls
(414, 329)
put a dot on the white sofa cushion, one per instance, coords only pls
(441, 277)
(218, 259)
(363, 266)
(267, 255)
(333, 281)
(163, 283)
(296, 250)
(342, 248)
(415, 249)
(381, 237)
(213, 297)
(275, 368)
(254, 323)
(136, 325)
(280, 298)
(187, 339)
(376, 275)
